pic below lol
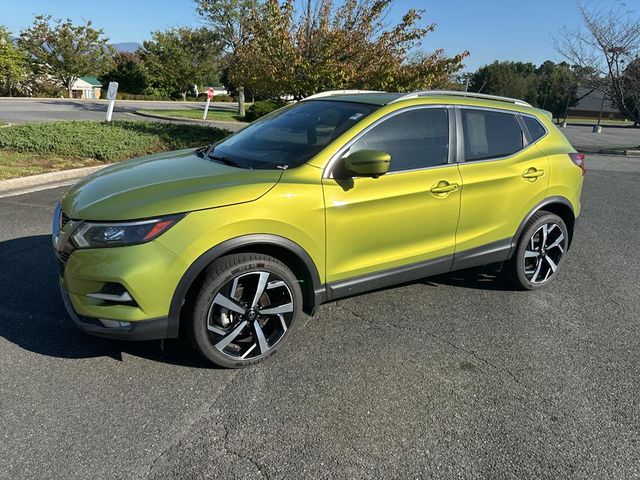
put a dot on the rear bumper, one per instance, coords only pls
(153, 329)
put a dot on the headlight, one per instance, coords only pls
(97, 235)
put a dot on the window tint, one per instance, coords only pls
(535, 129)
(415, 139)
(292, 135)
(490, 134)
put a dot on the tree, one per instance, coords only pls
(64, 50)
(557, 88)
(606, 47)
(229, 19)
(324, 47)
(12, 61)
(180, 58)
(509, 79)
(128, 71)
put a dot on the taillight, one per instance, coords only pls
(578, 159)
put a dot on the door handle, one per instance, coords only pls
(443, 187)
(533, 174)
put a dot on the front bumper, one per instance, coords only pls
(153, 329)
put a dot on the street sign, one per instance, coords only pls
(206, 107)
(112, 90)
(111, 96)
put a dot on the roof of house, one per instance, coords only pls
(91, 80)
(593, 101)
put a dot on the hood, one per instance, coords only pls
(163, 184)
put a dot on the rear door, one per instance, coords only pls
(504, 177)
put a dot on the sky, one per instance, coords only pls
(489, 29)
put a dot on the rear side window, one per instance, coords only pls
(415, 139)
(490, 134)
(536, 130)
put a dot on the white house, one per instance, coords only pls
(87, 88)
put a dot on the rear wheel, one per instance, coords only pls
(539, 252)
(247, 307)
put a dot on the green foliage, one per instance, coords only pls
(550, 86)
(557, 87)
(106, 142)
(63, 50)
(262, 108)
(129, 72)
(509, 79)
(13, 62)
(330, 46)
(180, 58)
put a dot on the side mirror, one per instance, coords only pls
(367, 163)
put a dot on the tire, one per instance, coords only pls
(539, 252)
(232, 326)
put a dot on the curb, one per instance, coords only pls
(31, 183)
(192, 120)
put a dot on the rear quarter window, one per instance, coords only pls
(536, 130)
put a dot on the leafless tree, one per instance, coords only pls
(606, 47)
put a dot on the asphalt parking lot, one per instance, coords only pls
(453, 376)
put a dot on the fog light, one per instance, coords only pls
(115, 323)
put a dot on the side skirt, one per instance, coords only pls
(491, 253)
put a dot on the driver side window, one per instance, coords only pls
(415, 139)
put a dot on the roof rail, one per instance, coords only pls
(338, 92)
(456, 93)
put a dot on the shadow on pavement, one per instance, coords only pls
(487, 277)
(33, 316)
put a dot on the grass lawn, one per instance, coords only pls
(213, 114)
(45, 147)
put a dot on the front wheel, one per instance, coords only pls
(539, 252)
(247, 307)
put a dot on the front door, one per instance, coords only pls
(405, 217)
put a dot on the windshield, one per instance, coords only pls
(290, 136)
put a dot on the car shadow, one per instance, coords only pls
(33, 316)
(486, 277)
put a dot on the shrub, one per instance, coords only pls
(106, 142)
(262, 108)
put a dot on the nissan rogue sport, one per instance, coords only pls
(329, 197)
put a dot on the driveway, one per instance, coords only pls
(453, 376)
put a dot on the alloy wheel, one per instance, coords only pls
(249, 315)
(544, 252)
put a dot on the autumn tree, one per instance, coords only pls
(180, 58)
(325, 47)
(63, 50)
(230, 20)
(607, 47)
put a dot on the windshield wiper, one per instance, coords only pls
(225, 160)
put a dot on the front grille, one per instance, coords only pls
(63, 220)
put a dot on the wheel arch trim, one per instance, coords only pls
(540, 206)
(204, 260)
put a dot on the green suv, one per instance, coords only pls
(333, 196)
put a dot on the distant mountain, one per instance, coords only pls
(126, 46)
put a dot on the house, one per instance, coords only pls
(590, 104)
(86, 88)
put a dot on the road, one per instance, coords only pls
(47, 109)
(453, 376)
